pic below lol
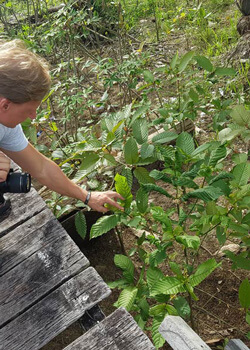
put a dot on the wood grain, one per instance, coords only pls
(118, 331)
(42, 322)
(24, 206)
(39, 274)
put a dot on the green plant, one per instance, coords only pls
(244, 298)
(195, 179)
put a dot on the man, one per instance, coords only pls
(24, 81)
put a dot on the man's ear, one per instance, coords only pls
(4, 104)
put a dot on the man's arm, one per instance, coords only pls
(49, 174)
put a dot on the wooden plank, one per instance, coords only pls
(39, 274)
(236, 344)
(24, 206)
(28, 239)
(118, 331)
(179, 335)
(42, 322)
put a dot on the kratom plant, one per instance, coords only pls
(195, 178)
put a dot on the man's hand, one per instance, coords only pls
(99, 199)
(4, 166)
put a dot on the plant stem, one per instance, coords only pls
(119, 234)
(191, 312)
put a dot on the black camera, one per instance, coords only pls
(15, 183)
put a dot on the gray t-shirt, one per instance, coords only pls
(12, 139)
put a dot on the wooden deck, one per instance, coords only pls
(119, 331)
(45, 281)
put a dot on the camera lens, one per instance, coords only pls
(18, 183)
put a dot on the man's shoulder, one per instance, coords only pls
(12, 139)
(6, 130)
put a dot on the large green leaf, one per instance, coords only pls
(131, 151)
(160, 175)
(127, 111)
(206, 194)
(158, 339)
(186, 182)
(239, 261)
(160, 215)
(122, 187)
(241, 173)
(154, 275)
(103, 225)
(217, 154)
(186, 143)
(158, 310)
(121, 283)
(192, 242)
(182, 307)
(116, 127)
(142, 200)
(185, 61)
(174, 61)
(127, 172)
(110, 159)
(204, 63)
(124, 263)
(240, 115)
(153, 187)
(140, 111)
(224, 71)
(127, 298)
(142, 175)
(244, 294)
(203, 270)
(164, 137)
(147, 150)
(223, 186)
(140, 130)
(200, 149)
(222, 176)
(238, 158)
(168, 285)
(81, 224)
(157, 257)
(89, 161)
(228, 134)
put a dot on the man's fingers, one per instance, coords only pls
(3, 175)
(113, 202)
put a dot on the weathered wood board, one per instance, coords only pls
(180, 336)
(44, 270)
(24, 206)
(236, 344)
(46, 319)
(28, 238)
(118, 331)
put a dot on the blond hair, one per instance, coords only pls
(24, 76)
